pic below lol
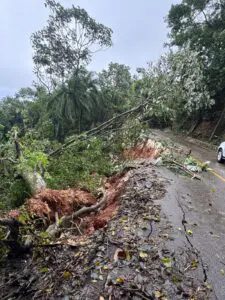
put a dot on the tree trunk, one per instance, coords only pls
(221, 119)
(33, 179)
(193, 127)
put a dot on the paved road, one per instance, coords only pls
(202, 205)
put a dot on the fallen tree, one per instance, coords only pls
(37, 185)
(114, 122)
(34, 178)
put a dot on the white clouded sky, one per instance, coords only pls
(139, 34)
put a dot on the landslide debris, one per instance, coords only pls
(118, 247)
(128, 258)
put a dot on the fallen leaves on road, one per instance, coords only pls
(167, 262)
(190, 232)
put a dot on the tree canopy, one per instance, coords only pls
(66, 43)
(200, 24)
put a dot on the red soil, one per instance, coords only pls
(46, 203)
(142, 150)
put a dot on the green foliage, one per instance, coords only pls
(18, 192)
(75, 103)
(13, 191)
(72, 100)
(83, 164)
(2, 127)
(24, 217)
(115, 83)
(127, 136)
(176, 87)
(34, 160)
(26, 111)
(200, 24)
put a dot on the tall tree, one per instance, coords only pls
(201, 23)
(75, 103)
(66, 43)
(115, 83)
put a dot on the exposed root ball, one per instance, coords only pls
(64, 202)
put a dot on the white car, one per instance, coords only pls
(221, 153)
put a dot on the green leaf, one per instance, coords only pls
(44, 270)
(194, 265)
(67, 274)
(190, 232)
(119, 280)
(222, 272)
(143, 254)
(167, 262)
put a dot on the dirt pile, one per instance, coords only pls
(64, 202)
(144, 149)
(114, 187)
(49, 204)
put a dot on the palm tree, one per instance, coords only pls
(77, 101)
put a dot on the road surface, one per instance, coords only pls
(199, 206)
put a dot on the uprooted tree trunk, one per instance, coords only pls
(218, 124)
(66, 221)
(33, 179)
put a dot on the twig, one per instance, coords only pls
(187, 268)
(78, 228)
(112, 241)
(150, 230)
(142, 296)
(92, 208)
(138, 293)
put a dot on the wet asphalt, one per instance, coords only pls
(199, 206)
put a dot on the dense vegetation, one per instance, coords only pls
(67, 101)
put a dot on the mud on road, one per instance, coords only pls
(203, 205)
(146, 251)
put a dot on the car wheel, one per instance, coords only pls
(220, 156)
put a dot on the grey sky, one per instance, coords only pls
(139, 34)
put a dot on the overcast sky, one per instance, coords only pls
(139, 34)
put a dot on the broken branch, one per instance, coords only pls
(84, 210)
(183, 168)
(8, 159)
